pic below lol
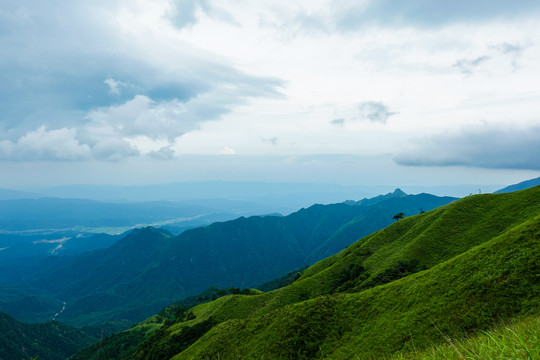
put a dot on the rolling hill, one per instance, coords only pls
(448, 273)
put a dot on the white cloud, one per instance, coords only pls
(113, 149)
(143, 116)
(134, 81)
(114, 86)
(226, 150)
(62, 66)
(43, 144)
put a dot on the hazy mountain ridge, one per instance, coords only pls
(8, 194)
(482, 265)
(520, 186)
(55, 213)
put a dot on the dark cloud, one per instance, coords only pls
(375, 111)
(428, 13)
(338, 122)
(485, 147)
(467, 66)
(186, 12)
(58, 68)
(512, 50)
(273, 140)
(507, 48)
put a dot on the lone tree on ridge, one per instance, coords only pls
(398, 216)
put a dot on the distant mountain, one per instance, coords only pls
(7, 194)
(54, 213)
(398, 193)
(453, 272)
(151, 268)
(231, 190)
(520, 186)
(48, 341)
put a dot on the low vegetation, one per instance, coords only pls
(514, 340)
(452, 273)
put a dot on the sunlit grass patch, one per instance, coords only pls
(517, 340)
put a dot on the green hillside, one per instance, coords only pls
(450, 272)
(511, 340)
(48, 341)
(150, 268)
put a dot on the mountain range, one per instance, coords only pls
(150, 268)
(453, 272)
(108, 289)
(519, 186)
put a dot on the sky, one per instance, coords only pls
(417, 92)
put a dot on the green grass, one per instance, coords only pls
(481, 257)
(514, 340)
(482, 267)
(469, 292)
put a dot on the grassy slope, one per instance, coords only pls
(515, 340)
(482, 254)
(470, 288)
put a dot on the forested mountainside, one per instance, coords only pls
(47, 341)
(151, 268)
(447, 273)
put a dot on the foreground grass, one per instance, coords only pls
(519, 340)
(497, 280)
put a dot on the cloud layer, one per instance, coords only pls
(100, 73)
(486, 147)
(116, 82)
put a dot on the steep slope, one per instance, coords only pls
(28, 304)
(453, 271)
(48, 341)
(150, 268)
(377, 215)
(97, 286)
(518, 339)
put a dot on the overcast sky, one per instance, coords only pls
(356, 92)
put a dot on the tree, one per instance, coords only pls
(398, 216)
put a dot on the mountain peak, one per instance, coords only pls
(399, 192)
